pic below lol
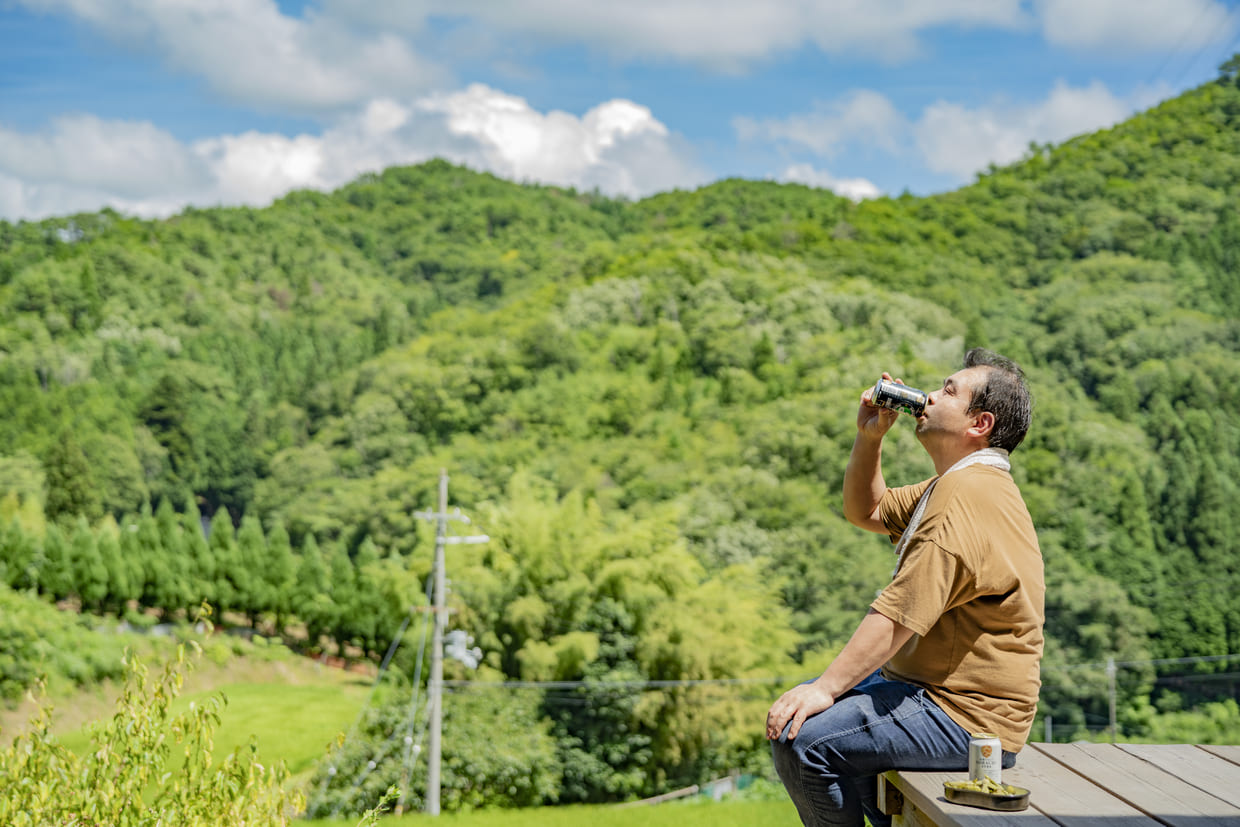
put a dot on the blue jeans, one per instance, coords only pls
(831, 768)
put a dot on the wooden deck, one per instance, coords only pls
(1087, 785)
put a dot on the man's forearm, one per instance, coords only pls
(864, 485)
(877, 638)
(875, 641)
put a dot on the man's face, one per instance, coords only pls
(945, 413)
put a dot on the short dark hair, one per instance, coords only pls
(1004, 394)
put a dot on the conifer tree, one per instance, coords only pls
(71, 488)
(119, 590)
(228, 572)
(251, 579)
(312, 593)
(201, 562)
(133, 564)
(55, 567)
(166, 412)
(280, 574)
(151, 560)
(342, 579)
(365, 604)
(90, 578)
(174, 589)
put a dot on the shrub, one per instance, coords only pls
(146, 766)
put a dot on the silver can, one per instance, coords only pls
(897, 397)
(985, 757)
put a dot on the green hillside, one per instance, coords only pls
(648, 407)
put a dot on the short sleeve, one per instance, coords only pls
(897, 506)
(929, 582)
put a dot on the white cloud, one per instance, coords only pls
(129, 159)
(862, 117)
(947, 138)
(856, 189)
(727, 34)
(617, 146)
(960, 141)
(250, 52)
(86, 163)
(1140, 25)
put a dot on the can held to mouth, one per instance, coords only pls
(897, 397)
(985, 757)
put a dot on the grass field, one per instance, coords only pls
(295, 708)
(697, 813)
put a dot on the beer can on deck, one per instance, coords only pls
(897, 397)
(985, 757)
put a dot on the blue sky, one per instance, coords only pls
(148, 106)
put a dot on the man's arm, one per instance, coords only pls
(877, 638)
(864, 485)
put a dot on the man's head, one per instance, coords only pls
(1001, 390)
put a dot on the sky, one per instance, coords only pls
(150, 106)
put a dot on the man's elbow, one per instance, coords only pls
(868, 520)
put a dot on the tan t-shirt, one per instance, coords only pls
(971, 588)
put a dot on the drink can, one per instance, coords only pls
(985, 757)
(897, 397)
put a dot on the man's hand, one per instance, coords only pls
(872, 421)
(795, 705)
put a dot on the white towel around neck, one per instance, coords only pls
(994, 457)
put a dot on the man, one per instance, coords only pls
(958, 630)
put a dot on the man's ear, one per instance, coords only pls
(983, 424)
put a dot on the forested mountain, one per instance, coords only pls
(647, 406)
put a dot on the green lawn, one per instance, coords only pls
(701, 813)
(294, 713)
(295, 709)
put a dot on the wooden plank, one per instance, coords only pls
(1065, 797)
(924, 792)
(913, 816)
(1227, 752)
(1198, 767)
(1143, 784)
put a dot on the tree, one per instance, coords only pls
(166, 412)
(230, 571)
(174, 588)
(498, 752)
(71, 488)
(55, 565)
(312, 594)
(17, 556)
(253, 595)
(90, 578)
(119, 588)
(199, 556)
(346, 626)
(279, 573)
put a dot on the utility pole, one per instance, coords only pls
(435, 693)
(1111, 697)
(440, 610)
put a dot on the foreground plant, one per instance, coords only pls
(146, 766)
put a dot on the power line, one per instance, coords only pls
(781, 679)
(1190, 29)
(1152, 662)
(459, 684)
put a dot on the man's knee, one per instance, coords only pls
(794, 755)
